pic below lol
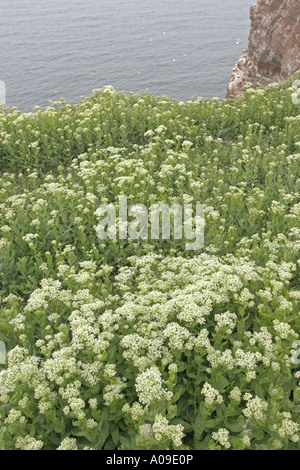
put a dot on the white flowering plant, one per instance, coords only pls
(134, 344)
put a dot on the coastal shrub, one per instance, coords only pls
(140, 344)
(44, 139)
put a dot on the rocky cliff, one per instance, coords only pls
(273, 53)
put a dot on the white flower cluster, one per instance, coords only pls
(222, 437)
(255, 408)
(288, 429)
(28, 443)
(161, 428)
(68, 444)
(149, 386)
(116, 350)
(211, 394)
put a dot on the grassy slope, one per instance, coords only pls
(238, 157)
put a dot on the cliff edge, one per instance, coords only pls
(273, 53)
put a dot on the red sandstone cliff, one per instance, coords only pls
(273, 53)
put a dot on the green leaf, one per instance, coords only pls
(115, 435)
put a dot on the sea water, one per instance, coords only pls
(66, 48)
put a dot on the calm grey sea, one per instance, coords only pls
(182, 48)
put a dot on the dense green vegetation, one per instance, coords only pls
(134, 344)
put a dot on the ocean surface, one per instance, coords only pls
(66, 48)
